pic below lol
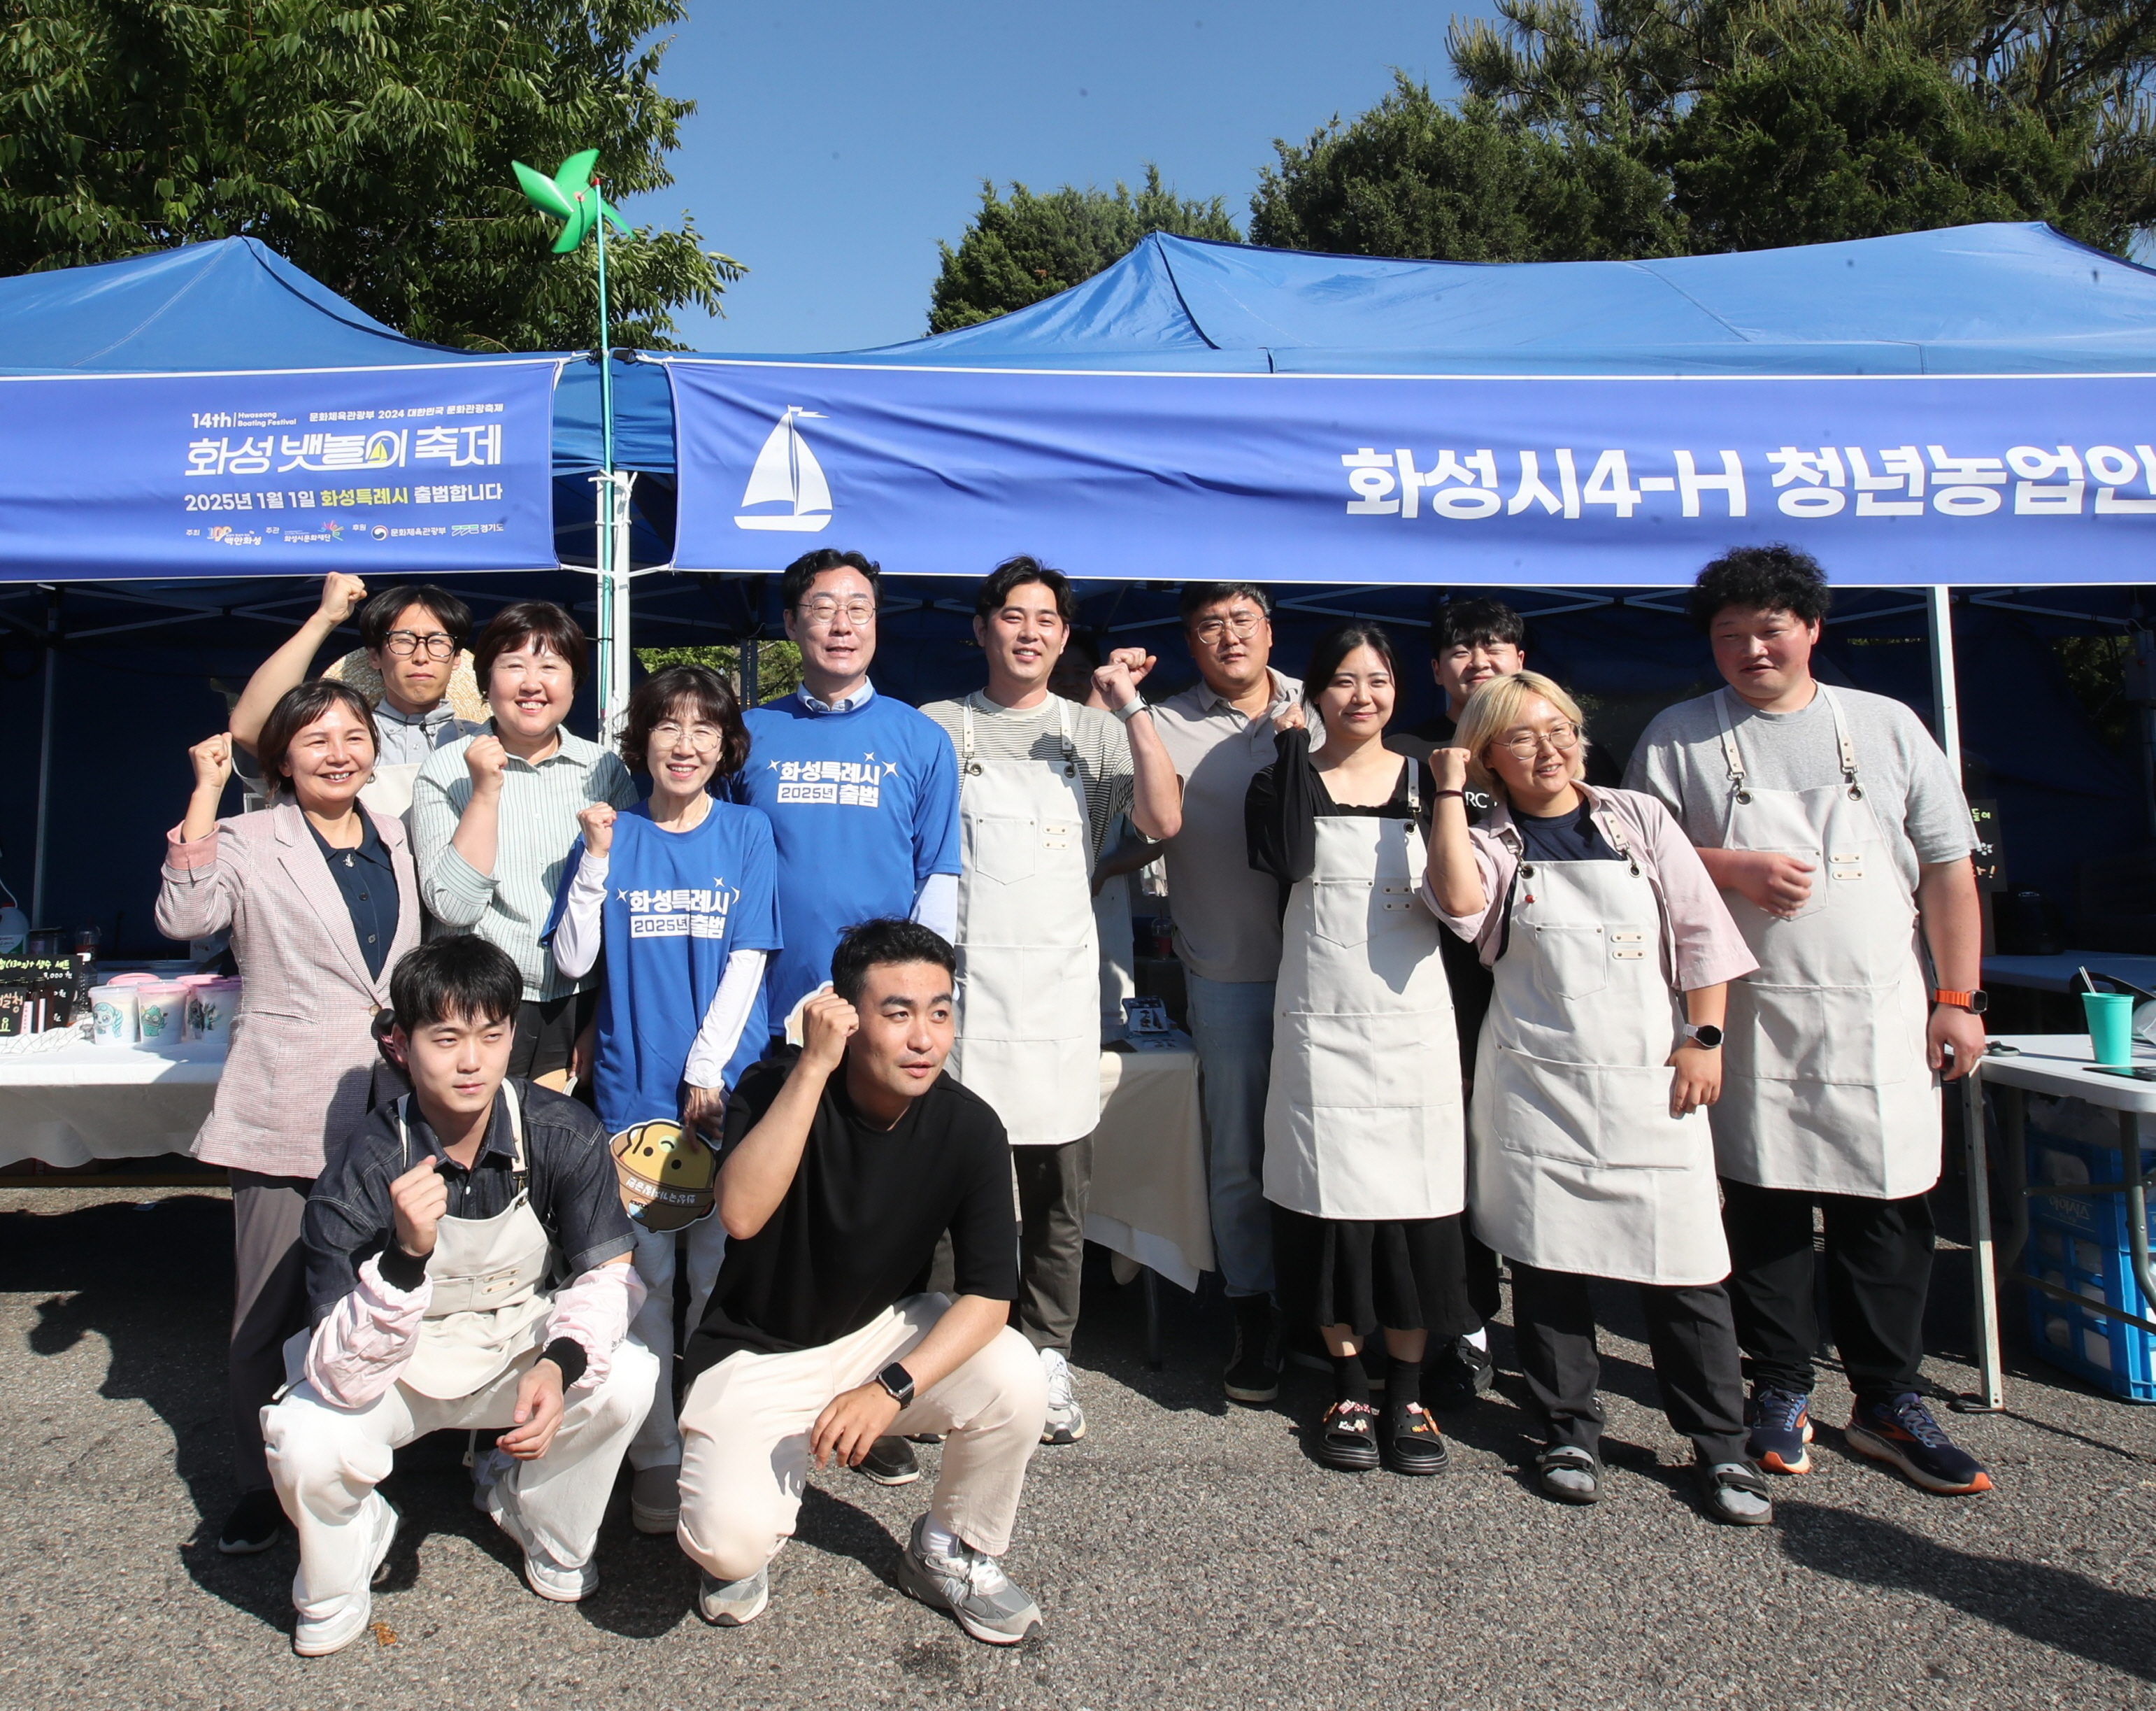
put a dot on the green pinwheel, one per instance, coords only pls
(572, 198)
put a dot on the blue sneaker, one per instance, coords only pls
(1901, 1430)
(1781, 1427)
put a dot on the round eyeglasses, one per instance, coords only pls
(705, 739)
(1563, 736)
(822, 611)
(405, 642)
(1242, 625)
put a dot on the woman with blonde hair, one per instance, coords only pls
(1589, 1154)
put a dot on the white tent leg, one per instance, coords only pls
(610, 605)
(45, 754)
(1946, 698)
(619, 710)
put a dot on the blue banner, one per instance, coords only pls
(1512, 481)
(420, 470)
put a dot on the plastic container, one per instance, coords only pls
(114, 1007)
(210, 1006)
(2078, 1243)
(2111, 1026)
(161, 1008)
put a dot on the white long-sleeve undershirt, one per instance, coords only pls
(935, 907)
(580, 935)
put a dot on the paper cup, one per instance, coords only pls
(161, 1008)
(2111, 1026)
(114, 1008)
(210, 1005)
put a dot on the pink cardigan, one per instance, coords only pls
(302, 1053)
(1701, 944)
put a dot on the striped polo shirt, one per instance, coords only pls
(536, 827)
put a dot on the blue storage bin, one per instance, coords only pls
(2078, 1243)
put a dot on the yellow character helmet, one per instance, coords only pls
(667, 1174)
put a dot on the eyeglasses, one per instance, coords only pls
(1563, 736)
(405, 642)
(705, 739)
(821, 610)
(1242, 625)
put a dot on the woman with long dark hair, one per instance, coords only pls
(1364, 1154)
(678, 894)
(321, 901)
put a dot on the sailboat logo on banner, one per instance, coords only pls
(787, 472)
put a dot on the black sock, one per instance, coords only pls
(1350, 1383)
(1403, 1381)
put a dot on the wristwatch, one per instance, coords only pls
(1704, 1034)
(899, 1382)
(1975, 1003)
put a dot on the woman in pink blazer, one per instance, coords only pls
(320, 897)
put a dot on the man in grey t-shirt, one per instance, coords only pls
(1841, 841)
(1219, 733)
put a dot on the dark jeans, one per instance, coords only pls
(269, 1303)
(1053, 1184)
(1695, 1352)
(1878, 1266)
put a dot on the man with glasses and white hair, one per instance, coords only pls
(413, 636)
(862, 794)
(1219, 733)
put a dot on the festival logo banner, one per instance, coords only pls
(416, 470)
(1580, 482)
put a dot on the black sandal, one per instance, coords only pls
(1348, 1437)
(1584, 1482)
(1413, 1442)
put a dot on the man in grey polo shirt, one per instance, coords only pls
(1219, 733)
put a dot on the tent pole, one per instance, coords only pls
(1946, 699)
(45, 752)
(617, 712)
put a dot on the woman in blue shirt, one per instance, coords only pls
(678, 894)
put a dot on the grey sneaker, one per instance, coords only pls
(1066, 1420)
(973, 1587)
(727, 1604)
(655, 1499)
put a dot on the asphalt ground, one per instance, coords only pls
(1188, 1553)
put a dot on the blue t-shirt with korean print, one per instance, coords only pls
(678, 904)
(864, 806)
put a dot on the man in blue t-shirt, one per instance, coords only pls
(861, 791)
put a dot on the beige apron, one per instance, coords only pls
(485, 1311)
(1029, 960)
(1827, 1088)
(1362, 1117)
(1577, 1165)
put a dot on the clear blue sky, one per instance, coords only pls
(836, 142)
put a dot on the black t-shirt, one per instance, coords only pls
(857, 1229)
(1562, 837)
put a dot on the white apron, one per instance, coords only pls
(1029, 959)
(1827, 1089)
(1577, 1164)
(485, 1311)
(1362, 1117)
(390, 791)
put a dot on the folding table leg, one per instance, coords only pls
(1983, 1263)
(1151, 1284)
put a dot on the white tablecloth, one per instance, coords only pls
(1148, 1202)
(82, 1102)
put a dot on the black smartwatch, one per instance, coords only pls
(1704, 1034)
(899, 1382)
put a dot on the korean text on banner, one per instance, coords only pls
(1970, 478)
(416, 470)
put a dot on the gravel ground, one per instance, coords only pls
(1188, 1553)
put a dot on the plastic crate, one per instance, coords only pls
(2078, 1243)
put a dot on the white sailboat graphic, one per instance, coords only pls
(786, 470)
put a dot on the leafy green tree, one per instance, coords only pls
(1018, 251)
(1413, 178)
(369, 143)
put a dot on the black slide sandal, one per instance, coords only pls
(1348, 1437)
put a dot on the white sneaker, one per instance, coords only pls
(545, 1575)
(728, 1604)
(333, 1633)
(1066, 1420)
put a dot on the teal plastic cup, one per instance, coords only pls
(2111, 1026)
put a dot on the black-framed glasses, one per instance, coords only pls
(1242, 625)
(440, 644)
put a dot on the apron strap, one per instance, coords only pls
(518, 1170)
(1069, 747)
(1730, 758)
(967, 763)
(1842, 736)
(1415, 788)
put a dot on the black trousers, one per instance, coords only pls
(1878, 1266)
(1692, 1339)
(269, 1302)
(1053, 1184)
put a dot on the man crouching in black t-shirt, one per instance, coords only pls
(820, 1339)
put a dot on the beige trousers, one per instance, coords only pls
(744, 1427)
